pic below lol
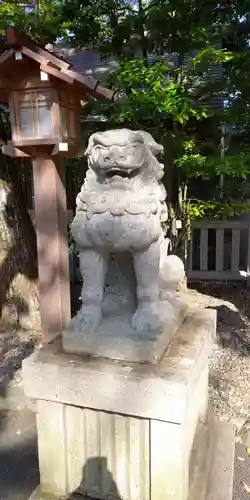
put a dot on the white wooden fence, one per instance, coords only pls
(230, 256)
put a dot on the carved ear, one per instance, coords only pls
(154, 146)
(90, 145)
(93, 139)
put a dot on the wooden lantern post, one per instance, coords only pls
(44, 96)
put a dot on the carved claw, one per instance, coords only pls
(146, 318)
(86, 320)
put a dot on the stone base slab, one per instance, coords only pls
(119, 430)
(115, 338)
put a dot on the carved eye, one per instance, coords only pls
(106, 158)
(131, 150)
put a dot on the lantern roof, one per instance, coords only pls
(49, 63)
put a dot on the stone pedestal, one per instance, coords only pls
(124, 431)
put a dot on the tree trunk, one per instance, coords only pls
(19, 298)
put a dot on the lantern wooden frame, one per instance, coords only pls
(63, 115)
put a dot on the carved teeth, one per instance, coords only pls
(120, 172)
(117, 173)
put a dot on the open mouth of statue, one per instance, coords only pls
(124, 174)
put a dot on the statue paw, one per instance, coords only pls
(146, 318)
(87, 319)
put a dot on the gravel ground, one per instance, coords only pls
(15, 345)
(229, 364)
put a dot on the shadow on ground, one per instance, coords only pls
(233, 313)
(19, 473)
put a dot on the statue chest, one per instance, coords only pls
(121, 232)
(120, 204)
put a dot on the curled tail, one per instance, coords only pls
(172, 270)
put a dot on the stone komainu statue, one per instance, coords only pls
(118, 231)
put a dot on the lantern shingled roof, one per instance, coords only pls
(53, 65)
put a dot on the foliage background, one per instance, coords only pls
(197, 108)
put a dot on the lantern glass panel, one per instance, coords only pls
(35, 114)
(64, 122)
(72, 123)
(67, 104)
(26, 117)
(44, 111)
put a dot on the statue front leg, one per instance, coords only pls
(146, 264)
(93, 267)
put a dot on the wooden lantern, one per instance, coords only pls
(44, 96)
(44, 114)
